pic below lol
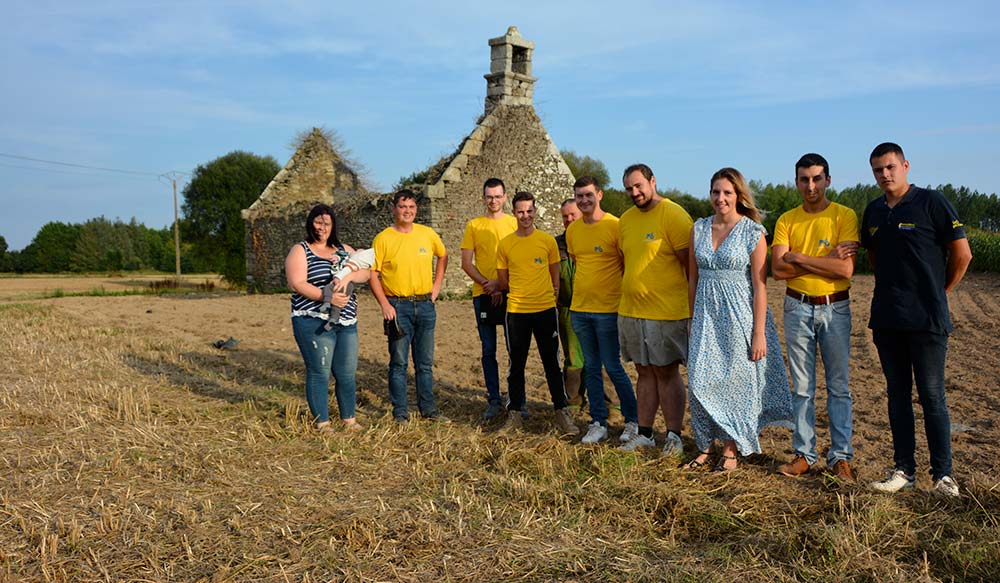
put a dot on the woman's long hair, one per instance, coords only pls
(745, 204)
(311, 236)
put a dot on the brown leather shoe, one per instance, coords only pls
(796, 467)
(842, 471)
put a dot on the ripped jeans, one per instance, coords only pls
(326, 351)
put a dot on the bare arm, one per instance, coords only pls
(959, 257)
(470, 269)
(554, 274)
(388, 312)
(758, 279)
(296, 271)
(439, 270)
(837, 264)
(692, 275)
(683, 256)
(503, 278)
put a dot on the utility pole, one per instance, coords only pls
(177, 238)
(172, 177)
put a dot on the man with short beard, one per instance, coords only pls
(653, 315)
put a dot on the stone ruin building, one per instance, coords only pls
(508, 142)
(315, 174)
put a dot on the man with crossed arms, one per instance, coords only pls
(814, 249)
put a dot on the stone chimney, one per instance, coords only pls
(509, 81)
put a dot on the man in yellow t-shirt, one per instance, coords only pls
(479, 259)
(528, 266)
(401, 283)
(653, 315)
(814, 249)
(592, 242)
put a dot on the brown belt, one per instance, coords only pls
(819, 300)
(415, 298)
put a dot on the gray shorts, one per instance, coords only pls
(653, 342)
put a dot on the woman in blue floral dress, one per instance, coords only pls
(737, 382)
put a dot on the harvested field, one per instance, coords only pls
(133, 450)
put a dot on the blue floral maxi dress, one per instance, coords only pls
(731, 396)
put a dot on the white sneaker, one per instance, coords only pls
(595, 432)
(895, 481)
(638, 442)
(630, 433)
(674, 446)
(946, 486)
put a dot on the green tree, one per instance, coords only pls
(5, 262)
(51, 250)
(218, 191)
(587, 166)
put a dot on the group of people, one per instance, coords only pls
(657, 289)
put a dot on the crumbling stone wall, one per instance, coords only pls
(510, 143)
(276, 220)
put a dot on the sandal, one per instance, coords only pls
(720, 466)
(694, 464)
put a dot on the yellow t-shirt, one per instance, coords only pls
(527, 261)
(654, 286)
(814, 234)
(405, 260)
(597, 285)
(482, 235)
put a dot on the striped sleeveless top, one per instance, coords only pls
(319, 272)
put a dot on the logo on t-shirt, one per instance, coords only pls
(538, 260)
(649, 237)
(598, 249)
(422, 251)
(824, 242)
(955, 224)
(907, 227)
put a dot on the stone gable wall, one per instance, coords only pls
(511, 144)
(276, 220)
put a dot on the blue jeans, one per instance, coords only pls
(488, 339)
(828, 328)
(416, 320)
(324, 351)
(598, 335)
(906, 356)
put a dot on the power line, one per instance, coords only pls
(53, 170)
(139, 172)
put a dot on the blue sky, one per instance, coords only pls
(685, 87)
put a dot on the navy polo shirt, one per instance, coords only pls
(911, 242)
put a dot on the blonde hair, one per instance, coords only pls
(745, 204)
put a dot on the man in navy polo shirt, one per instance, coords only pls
(918, 249)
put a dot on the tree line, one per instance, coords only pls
(212, 231)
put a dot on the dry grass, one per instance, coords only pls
(129, 456)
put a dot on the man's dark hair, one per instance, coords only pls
(646, 171)
(585, 181)
(523, 195)
(405, 194)
(493, 183)
(812, 159)
(312, 236)
(886, 148)
(563, 204)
